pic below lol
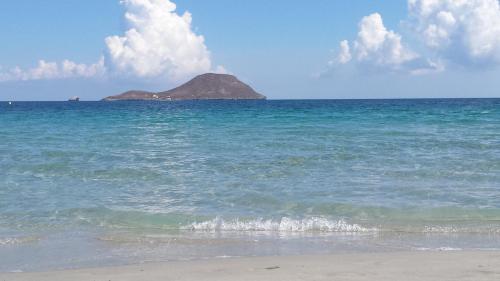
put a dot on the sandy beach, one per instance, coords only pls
(445, 265)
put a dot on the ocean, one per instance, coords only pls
(93, 183)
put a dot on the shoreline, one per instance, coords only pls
(422, 265)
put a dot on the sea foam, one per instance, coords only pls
(6, 241)
(283, 225)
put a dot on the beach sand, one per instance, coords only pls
(424, 265)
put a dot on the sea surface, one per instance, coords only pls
(105, 183)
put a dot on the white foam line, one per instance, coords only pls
(283, 225)
(6, 241)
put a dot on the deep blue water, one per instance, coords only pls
(116, 169)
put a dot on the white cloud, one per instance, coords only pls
(344, 55)
(463, 31)
(159, 43)
(54, 70)
(379, 47)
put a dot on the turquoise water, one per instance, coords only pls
(107, 174)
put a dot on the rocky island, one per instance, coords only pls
(208, 86)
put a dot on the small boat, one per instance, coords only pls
(75, 98)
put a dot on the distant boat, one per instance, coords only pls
(75, 98)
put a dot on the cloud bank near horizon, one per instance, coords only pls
(158, 44)
(464, 33)
(54, 70)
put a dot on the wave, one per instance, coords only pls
(8, 241)
(440, 249)
(285, 224)
(367, 219)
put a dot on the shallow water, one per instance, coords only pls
(102, 181)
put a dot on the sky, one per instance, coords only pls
(285, 49)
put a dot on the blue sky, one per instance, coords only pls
(284, 49)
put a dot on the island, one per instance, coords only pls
(208, 86)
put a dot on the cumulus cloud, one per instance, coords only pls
(377, 46)
(465, 32)
(158, 44)
(344, 55)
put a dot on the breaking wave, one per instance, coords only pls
(283, 225)
(7, 241)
